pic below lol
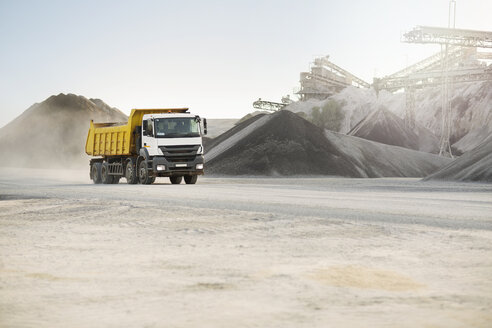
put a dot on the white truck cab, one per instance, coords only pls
(171, 144)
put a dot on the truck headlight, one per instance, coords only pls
(161, 167)
(199, 166)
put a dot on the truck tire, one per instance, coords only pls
(96, 172)
(105, 177)
(143, 173)
(191, 179)
(131, 172)
(176, 179)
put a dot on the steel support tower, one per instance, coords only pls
(429, 73)
(447, 38)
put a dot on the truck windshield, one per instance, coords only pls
(178, 127)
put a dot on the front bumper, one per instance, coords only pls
(177, 168)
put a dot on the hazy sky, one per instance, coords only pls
(215, 57)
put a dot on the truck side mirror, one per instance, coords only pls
(205, 126)
(150, 130)
(147, 128)
(144, 127)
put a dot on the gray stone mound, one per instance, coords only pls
(472, 139)
(53, 133)
(283, 143)
(474, 165)
(386, 127)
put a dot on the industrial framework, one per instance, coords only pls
(458, 61)
(449, 36)
(322, 81)
(463, 66)
(325, 79)
(467, 41)
(270, 105)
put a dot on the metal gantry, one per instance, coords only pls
(424, 72)
(449, 36)
(270, 105)
(458, 61)
(451, 65)
(429, 73)
(325, 79)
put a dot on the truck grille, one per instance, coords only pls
(176, 154)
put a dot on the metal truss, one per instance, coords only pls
(325, 78)
(420, 80)
(449, 36)
(337, 70)
(268, 105)
(425, 72)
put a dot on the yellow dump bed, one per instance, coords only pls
(113, 139)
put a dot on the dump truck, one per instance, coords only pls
(153, 143)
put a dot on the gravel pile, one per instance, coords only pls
(53, 133)
(386, 127)
(474, 165)
(283, 143)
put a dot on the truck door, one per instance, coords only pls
(148, 139)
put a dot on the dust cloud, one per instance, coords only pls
(52, 134)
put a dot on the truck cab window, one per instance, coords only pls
(176, 127)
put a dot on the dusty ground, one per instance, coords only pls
(318, 252)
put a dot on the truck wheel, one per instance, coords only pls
(131, 173)
(105, 177)
(176, 179)
(96, 173)
(191, 179)
(143, 173)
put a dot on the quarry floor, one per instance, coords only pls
(243, 252)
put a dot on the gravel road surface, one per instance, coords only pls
(243, 252)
